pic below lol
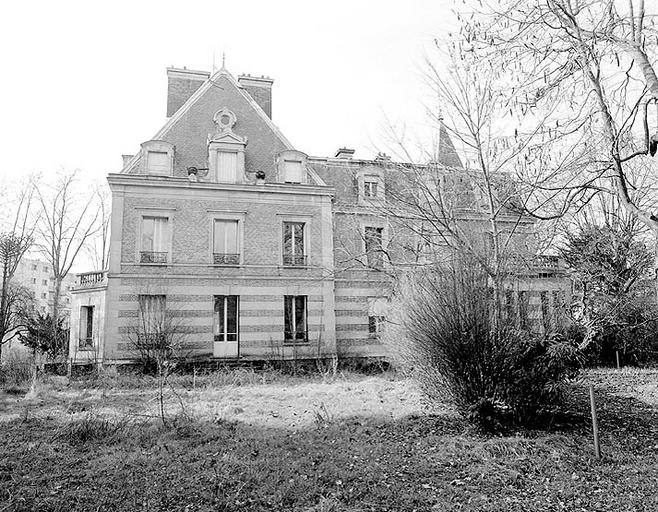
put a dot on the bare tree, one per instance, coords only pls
(14, 243)
(99, 246)
(476, 207)
(66, 223)
(587, 68)
(158, 337)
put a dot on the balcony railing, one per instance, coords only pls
(220, 258)
(294, 260)
(535, 263)
(91, 279)
(153, 257)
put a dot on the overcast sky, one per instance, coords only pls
(84, 82)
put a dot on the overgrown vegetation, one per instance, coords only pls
(493, 370)
(615, 303)
(83, 450)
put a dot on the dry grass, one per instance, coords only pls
(348, 443)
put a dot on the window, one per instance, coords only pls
(157, 162)
(86, 339)
(374, 248)
(225, 319)
(225, 242)
(227, 167)
(293, 244)
(34, 267)
(34, 280)
(155, 240)
(376, 315)
(45, 269)
(293, 171)
(545, 311)
(158, 157)
(370, 186)
(151, 328)
(523, 309)
(44, 295)
(295, 318)
(44, 282)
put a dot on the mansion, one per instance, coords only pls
(247, 247)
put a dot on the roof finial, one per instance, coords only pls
(223, 60)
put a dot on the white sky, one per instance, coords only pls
(83, 82)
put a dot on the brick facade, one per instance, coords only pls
(340, 289)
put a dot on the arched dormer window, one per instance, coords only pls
(291, 166)
(226, 150)
(158, 157)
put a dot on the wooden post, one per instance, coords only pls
(617, 356)
(595, 423)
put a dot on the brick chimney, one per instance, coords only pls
(182, 84)
(260, 89)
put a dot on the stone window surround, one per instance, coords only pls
(306, 219)
(291, 155)
(373, 223)
(158, 146)
(226, 147)
(155, 212)
(370, 173)
(214, 215)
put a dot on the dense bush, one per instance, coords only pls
(447, 335)
(45, 336)
(628, 327)
(615, 307)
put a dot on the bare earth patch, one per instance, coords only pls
(351, 443)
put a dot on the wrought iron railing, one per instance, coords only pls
(294, 260)
(220, 258)
(152, 257)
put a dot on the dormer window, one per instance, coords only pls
(226, 170)
(292, 171)
(226, 150)
(370, 182)
(370, 185)
(291, 166)
(158, 157)
(157, 162)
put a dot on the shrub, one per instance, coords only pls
(492, 371)
(630, 327)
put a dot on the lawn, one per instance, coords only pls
(243, 440)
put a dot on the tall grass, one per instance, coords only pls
(16, 370)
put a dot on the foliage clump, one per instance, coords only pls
(46, 336)
(460, 348)
(615, 306)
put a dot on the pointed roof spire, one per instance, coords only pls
(223, 60)
(446, 152)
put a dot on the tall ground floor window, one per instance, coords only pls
(86, 340)
(225, 320)
(295, 328)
